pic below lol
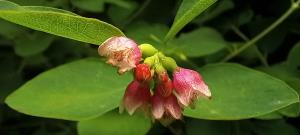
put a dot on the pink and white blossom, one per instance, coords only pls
(137, 95)
(121, 52)
(165, 107)
(189, 85)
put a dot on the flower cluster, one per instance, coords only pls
(152, 89)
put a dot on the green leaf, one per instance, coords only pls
(76, 91)
(58, 22)
(89, 5)
(34, 2)
(214, 11)
(41, 8)
(294, 56)
(291, 77)
(120, 15)
(97, 5)
(114, 123)
(188, 10)
(32, 44)
(147, 33)
(239, 93)
(10, 30)
(201, 42)
(270, 116)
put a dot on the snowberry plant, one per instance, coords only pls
(156, 74)
(125, 54)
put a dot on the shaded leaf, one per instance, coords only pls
(239, 93)
(147, 33)
(79, 90)
(113, 123)
(120, 15)
(294, 56)
(187, 11)
(290, 76)
(32, 44)
(215, 10)
(200, 42)
(97, 5)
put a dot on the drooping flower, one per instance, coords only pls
(137, 95)
(164, 85)
(189, 85)
(121, 52)
(164, 102)
(142, 73)
(165, 106)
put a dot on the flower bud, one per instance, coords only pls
(147, 50)
(189, 85)
(142, 73)
(136, 96)
(164, 86)
(121, 52)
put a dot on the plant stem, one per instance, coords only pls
(294, 6)
(244, 37)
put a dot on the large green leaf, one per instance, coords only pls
(80, 90)
(114, 123)
(201, 42)
(58, 22)
(188, 10)
(294, 56)
(239, 93)
(291, 77)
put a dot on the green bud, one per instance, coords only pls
(159, 68)
(150, 60)
(169, 63)
(147, 50)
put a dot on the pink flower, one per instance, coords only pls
(189, 86)
(137, 95)
(165, 107)
(164, 103)
(142, 73)
(121, 52)
(164, 85)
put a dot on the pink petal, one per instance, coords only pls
(189, 85)
(198, 83)
(157, 106)
(135, 96)
(121, 52)
(173, 107)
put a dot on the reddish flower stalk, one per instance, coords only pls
(189, 85)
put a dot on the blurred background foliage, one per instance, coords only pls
(24, 53)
